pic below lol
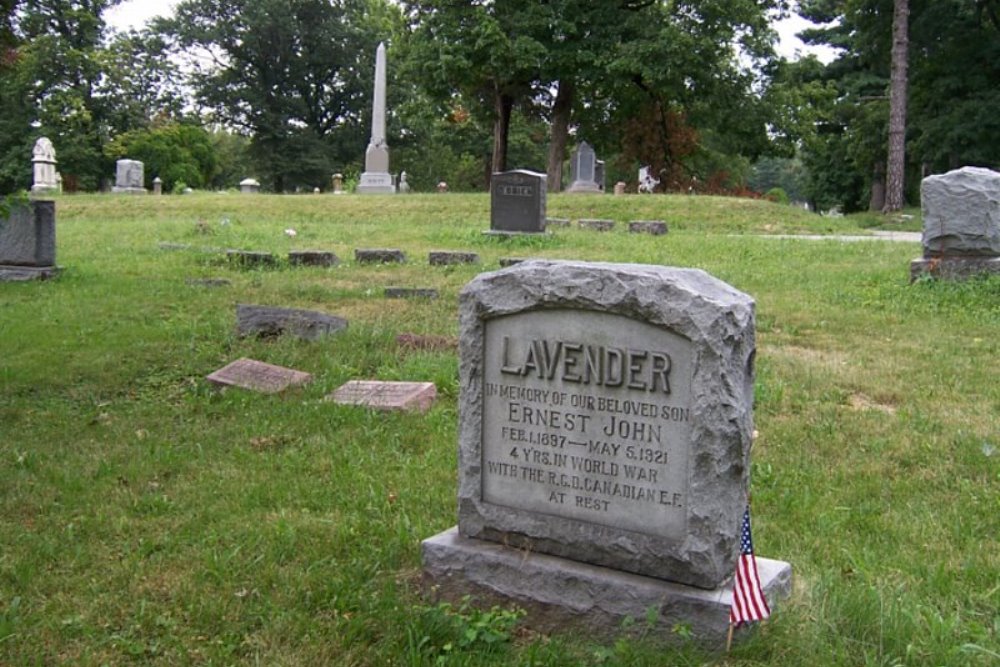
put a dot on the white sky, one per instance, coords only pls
(134, 13)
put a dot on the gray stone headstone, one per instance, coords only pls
(129, 177)
(583, 170)
(654, 227)
(961, 214)
(253, 320)
(599, 177)
(313, 258)
(517, 202)
(605, 421)
(157, 186)
(249, 186)
(28, 235)
(250, 259)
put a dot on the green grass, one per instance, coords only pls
(147, 519)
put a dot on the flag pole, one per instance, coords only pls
(729, 639)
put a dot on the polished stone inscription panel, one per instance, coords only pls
(586, 415)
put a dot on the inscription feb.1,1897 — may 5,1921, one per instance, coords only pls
(592, 424)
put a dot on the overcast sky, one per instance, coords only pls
(134, 13)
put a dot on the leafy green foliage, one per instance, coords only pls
(174, 152)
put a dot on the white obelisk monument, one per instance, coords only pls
(376, 178)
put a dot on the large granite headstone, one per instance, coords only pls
(517, 202)
(605, 422)
(961, 214)
(583, 170)
(43, 162)
(28, 242)
(129, 177)
(376, 178)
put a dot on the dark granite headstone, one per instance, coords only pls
(254, 320)
(517, 202)
(28, 241)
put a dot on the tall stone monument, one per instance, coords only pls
(961, 213)
(43, 161)
(376, 178)
(605, 422)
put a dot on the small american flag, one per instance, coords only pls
(748, 596)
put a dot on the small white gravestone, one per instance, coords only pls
(646, 181)
(157, 186)
(404, 187)
(338, 184)
(43, 160)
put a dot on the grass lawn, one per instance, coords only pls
(148, 519)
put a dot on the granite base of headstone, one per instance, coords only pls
(28, 242)
(258, 376)
(323, 258)
(389, 396)
(410, 293)
(562, 595)
(379, 256)
(596, 225)
(267, 321)
(448, 258)
(250, 259)
(961, 232)
(653, 227)
(517, 203)
(605, 424)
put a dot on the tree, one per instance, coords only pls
(295, 75)
(895, 171)
(176, 152)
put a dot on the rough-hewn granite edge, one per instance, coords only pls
(561, 595)
(718, 319)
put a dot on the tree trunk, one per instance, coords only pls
(897, 108)
(503, 104)
(561, 110)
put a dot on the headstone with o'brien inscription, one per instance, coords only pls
(517, 202)
(604, 441)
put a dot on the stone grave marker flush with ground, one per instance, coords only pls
(605, 430)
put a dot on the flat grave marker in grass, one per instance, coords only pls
(597, 225)
(379, 395)
(653, 227)
(313, 258)
(448, 258)
(605, 422)
(254, 320)
(379, 256)
(411, 293)
(258, 376)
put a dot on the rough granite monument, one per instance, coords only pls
(605, 422)
(961, 213)
(376, 178)
(129, 177)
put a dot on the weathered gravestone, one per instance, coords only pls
(28, 242)
(597, 225)
(449, 258)
(249, 186)
(961, 213)
(129, 177)
(583, 170)
(654, 227)
(379, 256)
(324, 258)
(264, 321)
(517, 202)
(605, 422)
(157, 186)
(390, 396)
(43, 162)
(258, 376)
(410, 293)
